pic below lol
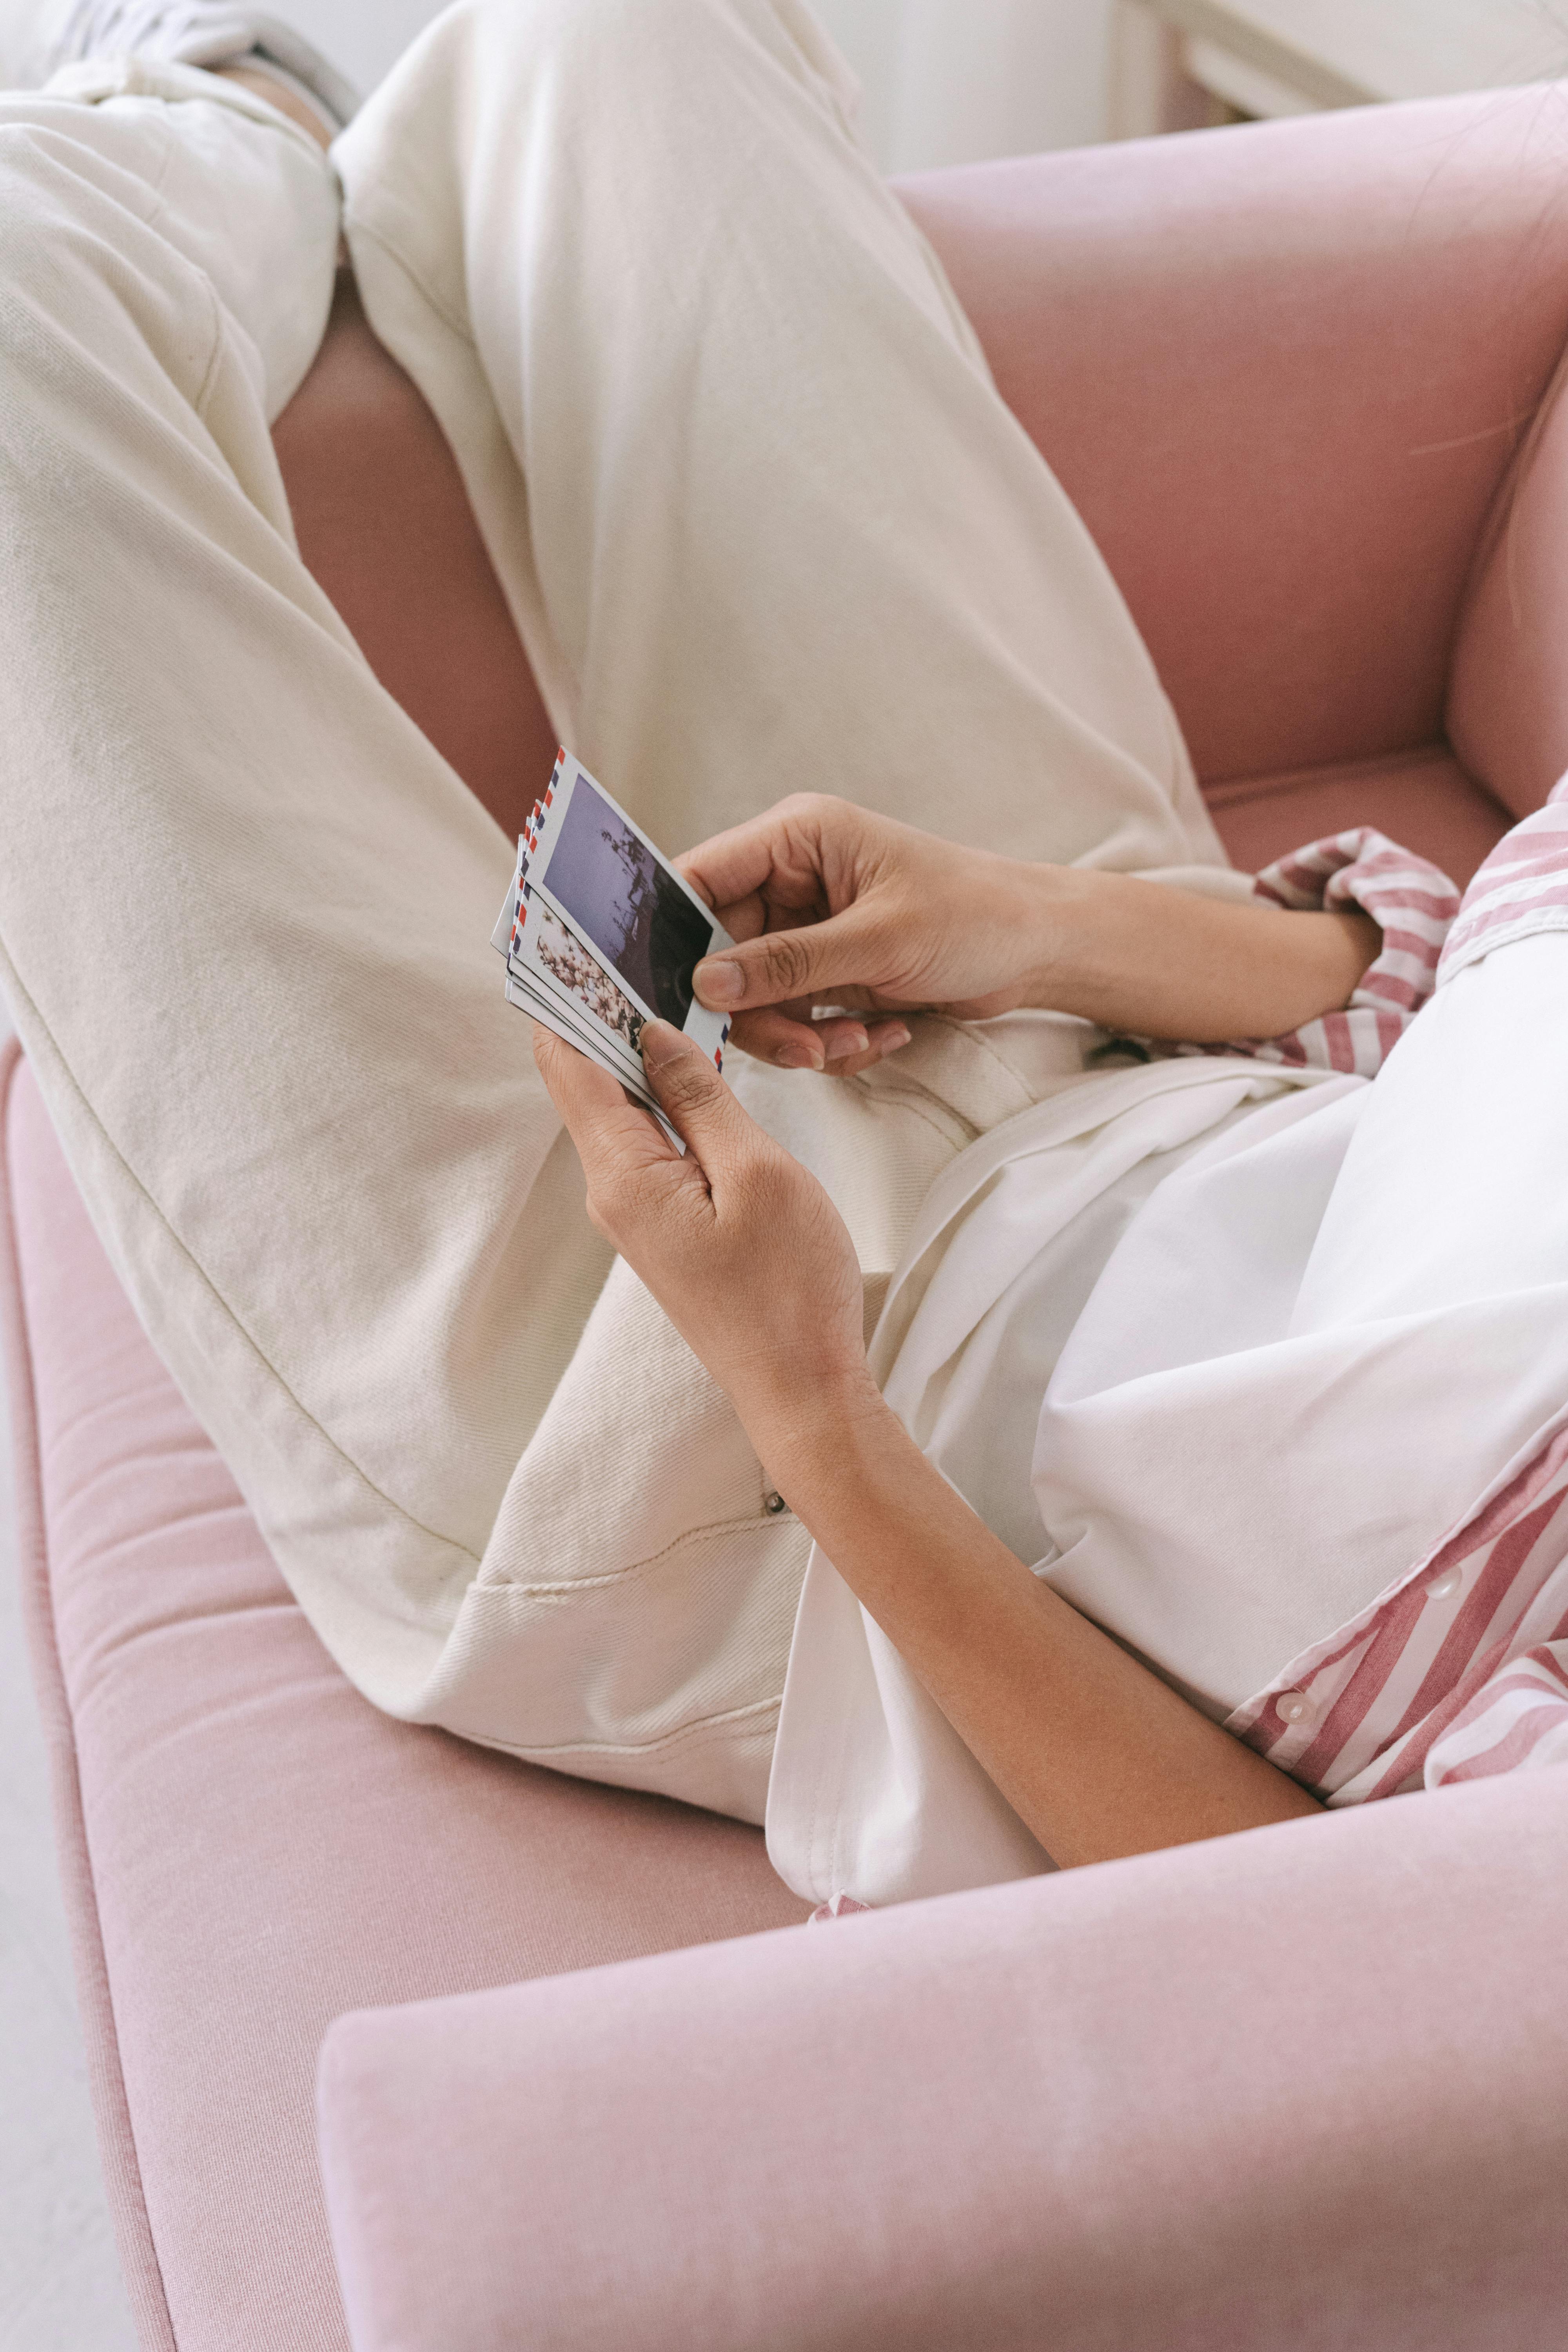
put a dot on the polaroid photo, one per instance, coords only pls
(566, 968)
(547, 957)
(534, 822)
(553, 977)
(506, 921)
(603, 876)
(551, 1015)
(526, 841)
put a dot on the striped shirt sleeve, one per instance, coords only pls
(1457, 1671)
(1517, 1722)
(1522, 887)
(1414, 903)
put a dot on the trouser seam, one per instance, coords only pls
(209, 380)
(563, 1587)
(723, 1718)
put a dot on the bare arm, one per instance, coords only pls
(831, 905)
(1094, 1753)
(749, 1258)
(1142, 958)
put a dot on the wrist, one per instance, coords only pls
(1066, 919)
(1133, 954)
(817, 1439)
(904, 1540)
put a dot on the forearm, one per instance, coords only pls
(1094, 1753)
(1146, 960)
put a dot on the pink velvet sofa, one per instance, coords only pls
(396, 2044)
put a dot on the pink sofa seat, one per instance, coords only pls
(250, 1847)
(1422, 798)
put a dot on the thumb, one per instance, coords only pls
(777, 967)
(694, 1098)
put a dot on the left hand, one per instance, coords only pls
(741, 1246)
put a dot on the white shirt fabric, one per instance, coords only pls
(1227, 1351)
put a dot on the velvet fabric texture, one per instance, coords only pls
(249, 1846)
(1298, 2090)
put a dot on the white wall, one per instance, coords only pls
(951, 81)
(943, 81)
(361, 37)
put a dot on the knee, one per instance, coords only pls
(79, 267)
(34, 201)
(46, 260)
(55, 215)
(559, 30)
(600, 46)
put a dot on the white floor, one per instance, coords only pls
(59, 2278)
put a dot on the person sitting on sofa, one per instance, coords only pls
(543, 1462)
(1222, 1419)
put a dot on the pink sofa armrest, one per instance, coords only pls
(1281, 372)
(1300, 2089)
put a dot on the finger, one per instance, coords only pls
(791, 1044)
(776, 1036)
(841, 1039)
(803, 1044)
(883, 1039)
(729, 870)
(696, 1101)
(744, 917)
(779, 850)
(815, 960)
(610, 1132)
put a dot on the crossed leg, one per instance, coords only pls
(762, 520)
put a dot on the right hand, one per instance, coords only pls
(738, 1244)
(830, 904)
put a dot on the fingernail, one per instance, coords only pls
(661, 1042)
(798, 1057)
(893, 1040)
(841, 1042)
(717, 983)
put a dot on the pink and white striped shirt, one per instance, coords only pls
(1460, 1670)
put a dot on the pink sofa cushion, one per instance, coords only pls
(266, 1849)
(1285, 425)
(1293, 547)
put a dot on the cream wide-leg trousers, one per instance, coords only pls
(764, 523)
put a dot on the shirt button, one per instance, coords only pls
(1294, 1706)
(774, 1503)
(1442, 1586)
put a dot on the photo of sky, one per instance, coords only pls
(614, 890)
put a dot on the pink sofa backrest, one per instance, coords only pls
(1281, 370)
(1508, 697)
(1322, 342)
(383, 523)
